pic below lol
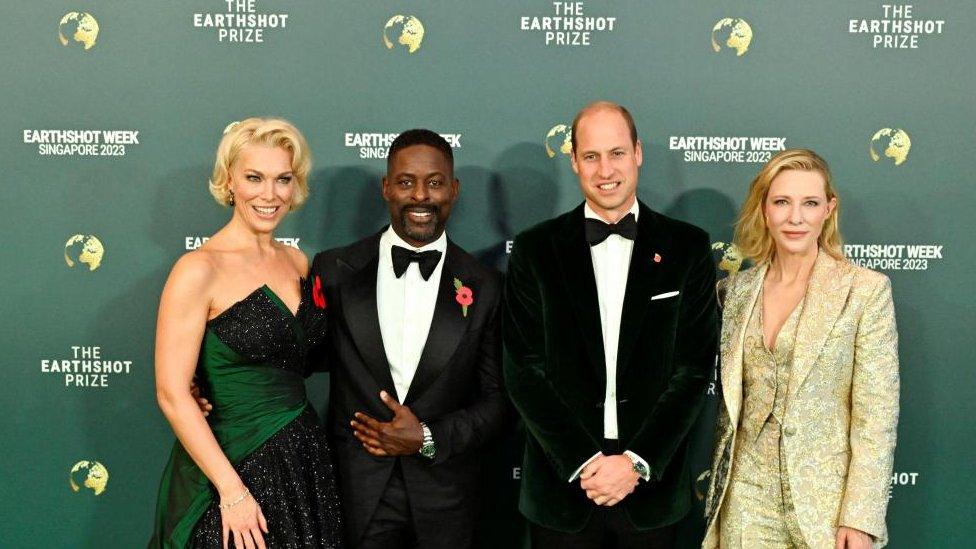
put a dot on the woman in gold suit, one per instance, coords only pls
(809, 354)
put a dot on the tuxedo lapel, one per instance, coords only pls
(447, 326)
(576, 266)
(362, 320)
(826, 294)
(643, 281)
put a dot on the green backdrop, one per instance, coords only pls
(842, 77)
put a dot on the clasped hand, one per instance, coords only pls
(607, 480)
(401, 436)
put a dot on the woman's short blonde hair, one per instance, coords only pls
(751, 235)
(272, 132)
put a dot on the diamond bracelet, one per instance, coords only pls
(240, 498)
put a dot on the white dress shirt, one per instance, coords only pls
(405, 307)
(611, 263)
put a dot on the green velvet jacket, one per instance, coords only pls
(556, 375)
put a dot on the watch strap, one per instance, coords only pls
(427, 448)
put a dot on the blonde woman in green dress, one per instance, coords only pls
(235, 313)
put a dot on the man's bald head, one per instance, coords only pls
(605, 105)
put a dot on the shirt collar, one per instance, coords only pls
(390, 239)
(588, 212)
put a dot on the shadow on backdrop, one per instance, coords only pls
(519, 191)
(714, 212)
(706, 208)
(344, 205)
(522, 190)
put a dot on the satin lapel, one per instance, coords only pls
(447, 326)
(827, 292)
(643, 281)
(735, 318)
(576, 266)
(362, 320)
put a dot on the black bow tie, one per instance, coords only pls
(597, 231)
(427, 261)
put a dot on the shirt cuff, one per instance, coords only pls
(637, 459)
(577, 472)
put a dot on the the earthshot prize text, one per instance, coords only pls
(569, 26)
(86, 367)
(898, 28)
(241, 23)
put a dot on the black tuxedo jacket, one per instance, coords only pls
(457, 389)
(556, 374)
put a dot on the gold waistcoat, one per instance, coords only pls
(765, 379)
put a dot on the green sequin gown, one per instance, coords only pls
(252, 367)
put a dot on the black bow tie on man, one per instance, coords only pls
(427, 261)
(597, 231)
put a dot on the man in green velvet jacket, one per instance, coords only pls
(610, 331)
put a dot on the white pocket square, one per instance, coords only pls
(665, 295)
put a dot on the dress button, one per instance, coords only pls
(790, 431)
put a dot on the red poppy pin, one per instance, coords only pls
(464, 296)
(657, 258)
(317, 296)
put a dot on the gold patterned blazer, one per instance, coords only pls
(842, 400)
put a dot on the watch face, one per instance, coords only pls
(427, 450)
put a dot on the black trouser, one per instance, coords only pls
(607, 528)
(393, 525)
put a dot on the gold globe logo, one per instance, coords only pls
(81, 27)
(88, 474)
(84, 248)
(731, 261)
(740, 35)
(562, 136)
(895, 144)
(407, 30)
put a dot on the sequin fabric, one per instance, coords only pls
(291, 475)
(261, 330)
(292, 479)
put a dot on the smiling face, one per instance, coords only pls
(419, 189)
(795, 210)
(606, 159)
(263, 185)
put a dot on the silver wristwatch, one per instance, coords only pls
(639, 467)
(427, 449)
